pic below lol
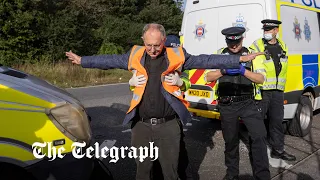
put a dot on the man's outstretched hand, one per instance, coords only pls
(75, 59)
(250, 57)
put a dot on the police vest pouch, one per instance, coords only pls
(225, 100)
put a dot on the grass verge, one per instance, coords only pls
(67, 75)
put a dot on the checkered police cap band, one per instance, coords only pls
(234, 37)
(270, 24)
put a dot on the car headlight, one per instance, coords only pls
(74, 121)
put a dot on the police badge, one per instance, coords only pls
(200, 30)
(296, 29)
(241, 23)
(307, 31)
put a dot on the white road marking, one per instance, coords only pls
(127, 130)
(102, 85)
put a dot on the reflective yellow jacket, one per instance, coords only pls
(272, 81)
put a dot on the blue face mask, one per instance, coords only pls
(268, 36)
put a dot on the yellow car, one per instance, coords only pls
(33, 111)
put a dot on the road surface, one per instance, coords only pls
(108, 104)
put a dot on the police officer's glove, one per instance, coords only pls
(230, 71)
(137, 81)
(173, 79)
(242, 70)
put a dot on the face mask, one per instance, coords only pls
(268, 36)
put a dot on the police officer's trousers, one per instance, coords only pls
(251, 115)
(272, 106)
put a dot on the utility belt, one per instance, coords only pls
(155, 121)
(229, 99)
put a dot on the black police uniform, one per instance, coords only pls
(272, 100)
(236, 100)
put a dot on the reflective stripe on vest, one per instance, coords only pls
(134, 51)
(176, 60)
(256, 46)
(259, 71)
(273, 86)
(284, 60)
(282, 80)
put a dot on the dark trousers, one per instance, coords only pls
(249, 112)
(166, 137)
(182, 165)
(272, 106)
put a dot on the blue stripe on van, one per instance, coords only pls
(310, 70)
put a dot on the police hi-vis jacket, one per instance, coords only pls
(272, 81)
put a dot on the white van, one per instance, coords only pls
(201, 34)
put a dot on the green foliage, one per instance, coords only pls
(43, 30)
(20, 24)
(110, 48)
(165, 12)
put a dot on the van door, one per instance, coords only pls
(200, 31)
(202, 35)
(248, 16)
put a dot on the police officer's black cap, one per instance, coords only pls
(233, 34)
(269, 24)
(172, 41)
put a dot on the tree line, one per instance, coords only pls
(34, 31)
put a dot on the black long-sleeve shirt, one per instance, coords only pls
(153, 103)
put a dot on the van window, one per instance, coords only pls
(300, 30)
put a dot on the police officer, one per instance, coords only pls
(276, 64)
(238, 93)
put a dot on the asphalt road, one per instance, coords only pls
(108, 104)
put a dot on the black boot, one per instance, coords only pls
(282, 155)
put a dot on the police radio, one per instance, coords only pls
(267, 54)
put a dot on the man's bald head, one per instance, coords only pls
(154, 37)
(154, 29)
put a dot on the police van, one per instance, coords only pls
(35, 111)
(201, 34)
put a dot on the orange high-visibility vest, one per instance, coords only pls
(176, 61)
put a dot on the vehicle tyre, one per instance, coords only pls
(12, 172)
(301, 124)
